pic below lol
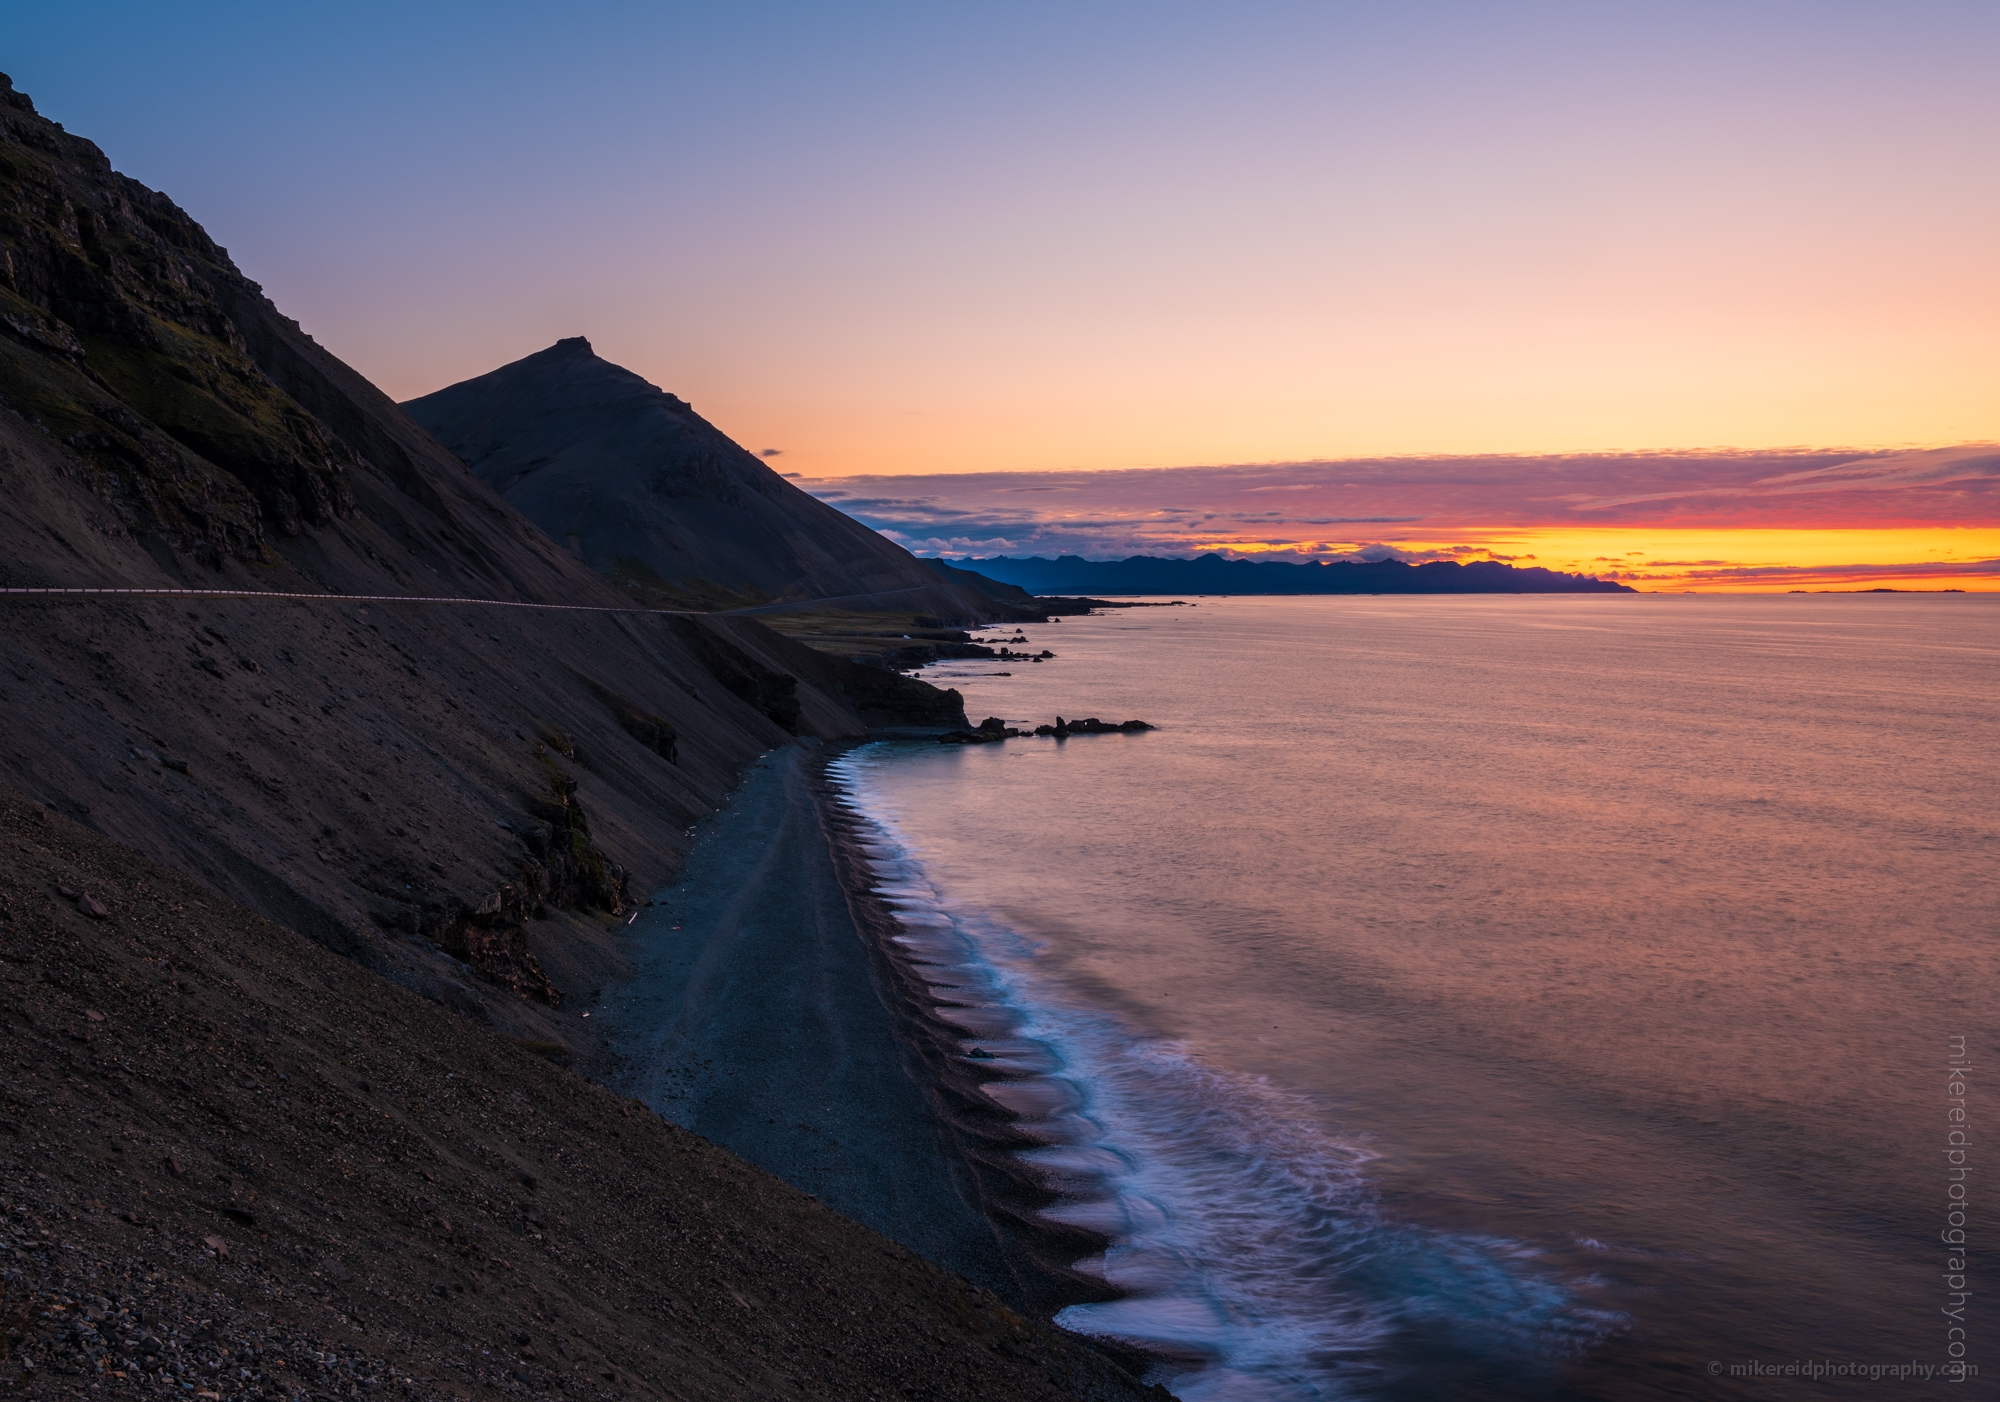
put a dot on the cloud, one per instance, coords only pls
(1722, 572)
(771, 452)
(1448, 505)
(957, 546)
(1976, 463)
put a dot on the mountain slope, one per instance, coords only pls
(649, 493)
(463, 796)
(327, 1184)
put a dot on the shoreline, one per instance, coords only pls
(768, 1007)
(985, 1136)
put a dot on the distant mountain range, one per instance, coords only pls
(650, 494)
(1211, 574)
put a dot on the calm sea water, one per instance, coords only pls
(1487, 997)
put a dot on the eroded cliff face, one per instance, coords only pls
(464, 796)
(118, 346)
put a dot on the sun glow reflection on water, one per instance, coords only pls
(1255, 1256)
(1477, 997)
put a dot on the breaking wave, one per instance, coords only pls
(1252, 1254)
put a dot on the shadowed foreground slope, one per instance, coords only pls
(246, 1164)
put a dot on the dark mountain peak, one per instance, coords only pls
(648, 492)
(557, 376)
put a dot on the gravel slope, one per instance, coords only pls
(238, 1165)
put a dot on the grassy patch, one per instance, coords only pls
(646, 588)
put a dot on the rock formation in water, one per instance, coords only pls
(653, 496)
(994, 729)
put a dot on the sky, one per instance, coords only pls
(1735, 522)
(928, 239)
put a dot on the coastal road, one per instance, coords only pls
(87, 592)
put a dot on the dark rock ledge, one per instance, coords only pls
(993, 729)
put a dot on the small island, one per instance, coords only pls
(994, 729)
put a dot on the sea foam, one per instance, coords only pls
(1254, 1257)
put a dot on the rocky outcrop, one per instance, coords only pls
(558, 867)
(1094, 726)
(115, 341)
(493, 940)
(881, 698)
(642, 725)
(564, 868)
(890, 700)
(993, 729)
(915, 654)
(773, 692)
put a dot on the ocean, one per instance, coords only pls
(1487, 997)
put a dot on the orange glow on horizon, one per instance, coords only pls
(1710, 561)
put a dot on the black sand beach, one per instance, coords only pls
(771, 1011)
(754, 1018)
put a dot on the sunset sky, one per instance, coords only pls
(1528, 269)
(1705, 521)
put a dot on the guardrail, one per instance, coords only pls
(15, 591)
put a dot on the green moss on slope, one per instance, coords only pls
(114, 341)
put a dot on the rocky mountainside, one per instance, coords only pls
(238, 1167)
(653, 496)
(466, 797)
(972, 579)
